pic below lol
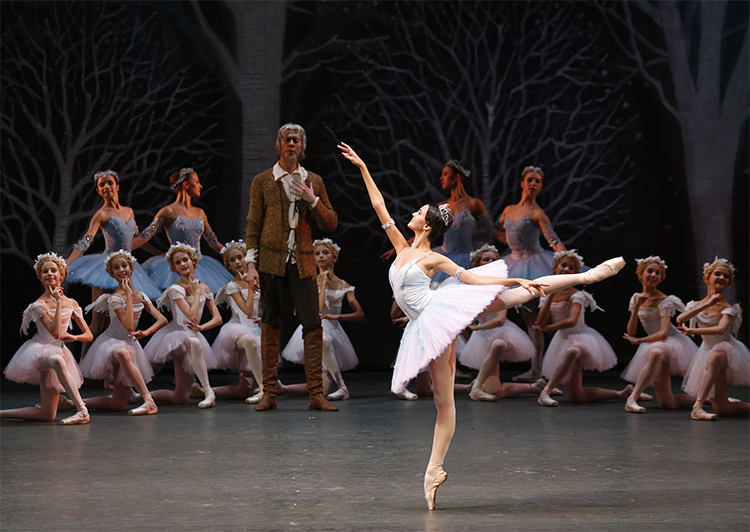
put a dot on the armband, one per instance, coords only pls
(152, 229)
(83, 244)
(550, 235)
(387, 225)
(458, 272)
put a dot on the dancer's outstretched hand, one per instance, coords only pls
(350, 154)
(530, 286)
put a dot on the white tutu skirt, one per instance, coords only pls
(680, 351)
(25, 364)
(170, 343)
(738, 372)
(453, 306)
(480, 342)
(228, 354)
(339, 343)
(90, 270)
(209, 271)
(599, 355)
(100, 360)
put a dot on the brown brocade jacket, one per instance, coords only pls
(268, 224)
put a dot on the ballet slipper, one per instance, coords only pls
(605, 270)
(431, 484)
(196, 392)
(342, 394)
(280, 388)
(210, 400)
(406, 395)
(632, 406)
(628, 391)
(477, 394)
(545, 399)
(134, 397)
(731, 400)
(148, 408)
(530, 376)
(79, 418)
(700, 414)
(555, 391)
(538, 386)
(255, 399)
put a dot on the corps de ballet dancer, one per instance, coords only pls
(338, 351)
(721, 359)
(437, 316)
(116, 355)
(664, 351)
(575, 346)
(181, 340)
(186, 223)
(495, 338)
(237, 345)
(519, 227)
(44, 360)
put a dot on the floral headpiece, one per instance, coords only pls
(121, 253)
(653, 258)
(106, 172)
(182, 176)
(569, 253)
(717, 261)
(179, 246)
(330, 243)
(445, 213)
(233, 244)
(479, 252)
(537, 169)
(50, 255)
(459, 167)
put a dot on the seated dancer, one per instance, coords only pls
(44, 360)
(116, 354)
(575, 346)
(664, 352)
(720, 359)
(338, 351)
(437, 316)
(494, 338)
(238, 344)
(181, 340)
(186, 223)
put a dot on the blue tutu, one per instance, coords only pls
(457, 244)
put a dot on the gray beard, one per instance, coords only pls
(290, 160)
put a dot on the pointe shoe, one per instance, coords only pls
(555, 391)
(134, 397)
(431, 485)
(209, 401)
(406, 395)
(148, 408)
(530, 376)
(267, 402)
(538, 386)
(632, 406)
(605, 270)
(700, 414)
(255, 399)
(545, 399)
(628, 391)
(280, 388)
(477, 394)
(342, 394)
(79, 418)
(319, 402)
(196, 392)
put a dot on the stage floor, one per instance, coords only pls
(513, 465)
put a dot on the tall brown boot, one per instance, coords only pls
(314, 371)
(269, 351)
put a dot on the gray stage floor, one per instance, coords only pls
(513, 465)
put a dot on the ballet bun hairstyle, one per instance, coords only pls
(50, 256)
(568, 254)
(119, 254)
(708, 269)
(439, 218)
(651, 259)
(184, 248)
(460, 168)
(179, 177)
(302, 137)
(334, 248)
(234, 244)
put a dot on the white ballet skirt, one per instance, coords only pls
(599, 355)
(678, 348)
(333, 333)
(738, 372)
(437, 316)
(170, 342)
(24, 366)
(480, 342)
(100, 360)
(228, 353)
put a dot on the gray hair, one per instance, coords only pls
(292, 127)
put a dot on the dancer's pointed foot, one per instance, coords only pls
(538, 386)
(79, 418)
(406, 395)
(477, 394)
(532, 375)
(545, 399)
(209, 401)
(632, 406)
(700, 414)
(434, 477)
(134, 397)
(628, 391)
(196, 392)
(342, 394)
(255, 399)
(148, 408)
(605, 270)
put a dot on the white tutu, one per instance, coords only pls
(738, 372)
(436, 317)
(599, 355)
(228, 353)
(25, 365)
(333, 334)
(480, 342)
